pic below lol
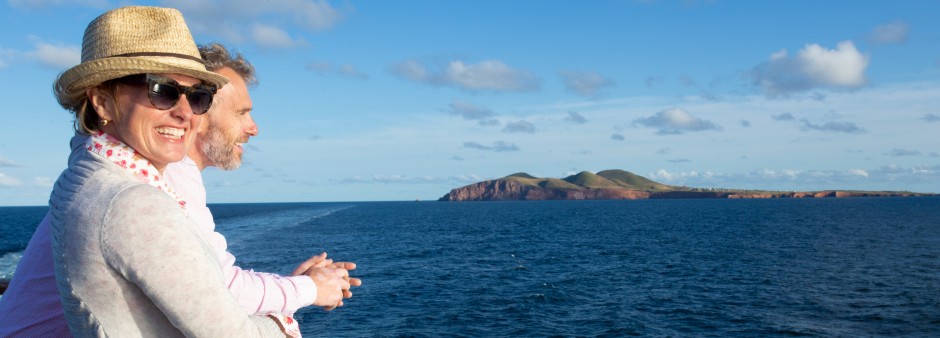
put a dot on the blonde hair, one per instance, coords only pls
(79, 104)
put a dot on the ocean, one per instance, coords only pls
(697, 267)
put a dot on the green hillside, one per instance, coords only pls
(521, 175)
(532, 181)
(588, 179)
(630, 180)
(607, 179)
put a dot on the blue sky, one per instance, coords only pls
(404, 100)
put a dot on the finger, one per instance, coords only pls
(345, 265)
(344, 285)
(323, 263)
(309, 263)
(347, 294)
(329, 308)
(355, 282)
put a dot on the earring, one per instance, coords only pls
(104, 122)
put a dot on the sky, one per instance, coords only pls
(405, 100)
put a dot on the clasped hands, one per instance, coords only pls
(332, 280)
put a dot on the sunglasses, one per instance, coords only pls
(165, 93)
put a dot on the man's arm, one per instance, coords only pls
(257, 292)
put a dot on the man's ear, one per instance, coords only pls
(103, 102)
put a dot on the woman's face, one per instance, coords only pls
(161, 136)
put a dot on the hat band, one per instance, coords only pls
(181, 56)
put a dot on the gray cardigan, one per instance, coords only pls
(129, 263)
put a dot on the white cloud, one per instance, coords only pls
(7, 181)
(675, 121)
(803, 180)
(273, 37)
(488, 75)
(51, 55)
(43, 182)
(858, 172)
(26, 4)
(57, 56)
(895, 32)
(586, 84)
(233, 20)
(666, 176)
(812, 67)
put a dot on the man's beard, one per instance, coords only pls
(219, 150)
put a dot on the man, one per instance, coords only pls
(31, 306)
(219, 144)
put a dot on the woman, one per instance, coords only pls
(128, 261)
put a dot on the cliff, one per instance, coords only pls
(621, 185)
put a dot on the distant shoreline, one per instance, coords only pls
(618, 184)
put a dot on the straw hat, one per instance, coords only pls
(136, 40)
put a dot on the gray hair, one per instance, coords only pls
(216, 57)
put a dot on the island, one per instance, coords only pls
(616, 184)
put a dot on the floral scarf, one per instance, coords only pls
(116, 151)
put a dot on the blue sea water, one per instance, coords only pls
(708, 267)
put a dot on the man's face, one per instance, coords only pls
(229, 124)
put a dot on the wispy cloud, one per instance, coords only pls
(6, 56)
(40, 4)
(43, 182)
(498, 146)
(745, 123)
(491, 75)
(469, 111)
(7, 163)
(902, 152)
(617, 137)
(587, 84)
(783, 117)
(812, 67)
(675, 121)
(236, 19)
(789, 179)
(53, 55)
(841, 127)
(519, 127)
(930, 117)
(345, 70)
(574, 117)
(405, 179)
(895, 32)
(273, 37)
(7, 181)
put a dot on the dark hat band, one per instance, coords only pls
(181, 56)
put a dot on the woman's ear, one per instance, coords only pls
(103, 102)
